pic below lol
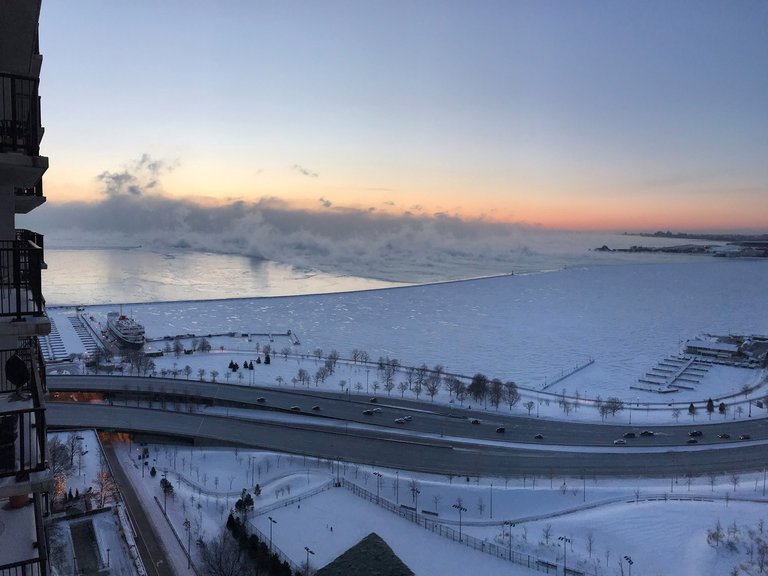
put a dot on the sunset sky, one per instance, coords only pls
(609, 115)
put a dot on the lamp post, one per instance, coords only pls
(397, 487)
(308, 553)
(565, 542)
(165, 494)
(629, 563)
(461, 509)
(491, 500)
(416, 492)
(271, 521)
(107, 557)
(378, 483)
(189, 542)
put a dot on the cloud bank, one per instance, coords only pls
(409, 247)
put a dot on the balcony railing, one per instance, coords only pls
(32, 356)
(23, 444)
(20, 127)
(34, 240)
(20, 283)
(35, 191)
(32, 567)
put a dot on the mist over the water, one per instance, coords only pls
(406, 248)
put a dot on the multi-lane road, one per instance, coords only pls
(436, 439)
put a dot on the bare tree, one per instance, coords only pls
(590, 543)
(436, 501)
(512, 394)
(735, 480)
(546, 533)
(529, 406)
(222, 556)
(496, 392)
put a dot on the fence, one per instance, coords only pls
(499, 551)
(273, 548)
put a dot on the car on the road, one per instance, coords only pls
(744, 436)
(407, 418)
(374, 400)
(629, 434)
(647, 433)
(620, 441)
(377, 410)
(316, 408)
(539, 437)
(500, 430)
(295, 408)
(367, 412)
(692, 441)
(724, 436)
(261, 399)
(399, 420)
(694, 433)
(474, 421)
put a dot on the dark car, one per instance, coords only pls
(501, 430)
(694, 433)
(367, 412)
(744, 436)
(374, 400)
(724, 436)
(475, 421)
(647, 433)
(629, 434)
(316, 408)
(295, 408)
(261, 400)
(692, 441)
(539, 437)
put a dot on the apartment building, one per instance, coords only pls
(24, 475)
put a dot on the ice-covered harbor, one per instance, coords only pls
(533, 329)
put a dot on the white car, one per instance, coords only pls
(400, 420)
(619, 441)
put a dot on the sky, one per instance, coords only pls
(590, 115)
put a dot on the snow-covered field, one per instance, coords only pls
(528, 328)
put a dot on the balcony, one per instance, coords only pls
(20, 128)
(26, 556)
(27, 199)
(35, 240)
(23, 442)
(22, 306)
(20, 133)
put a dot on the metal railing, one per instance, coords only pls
(20, 127)
(505, 552)
(22, 442)
(35, 191)
(34, 239)
(32, 567)
(20, 280)
(32, 356)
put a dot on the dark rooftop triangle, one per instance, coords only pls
(369, 557)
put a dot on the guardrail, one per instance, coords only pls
(503, 552)
(20, 282)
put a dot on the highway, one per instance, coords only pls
(437, 439)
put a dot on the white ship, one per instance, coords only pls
(129, 333)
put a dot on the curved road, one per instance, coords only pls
(434, 441)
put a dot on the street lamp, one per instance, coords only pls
(461, 509)
(308, 553)
(565, 542)
(378, 483)
(107, 557)
(189, 542)
(629, 563)
(271, 521)
(165, 494)
(415, 492)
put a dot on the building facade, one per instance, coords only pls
(24, 475)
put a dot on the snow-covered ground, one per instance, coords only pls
(527, 328)
(643, 519)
